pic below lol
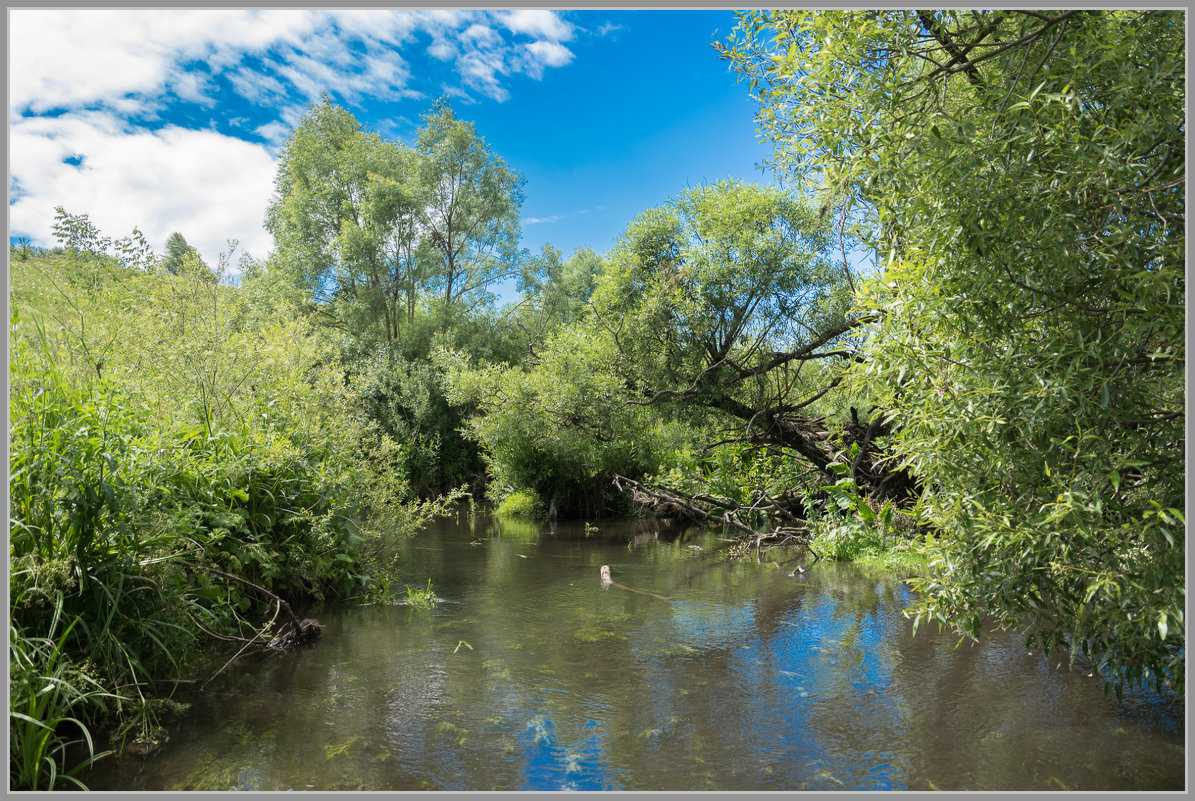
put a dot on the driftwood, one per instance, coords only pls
(787, 528)
(608, 582)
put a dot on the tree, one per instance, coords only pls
(1022, 177)
(176, 250)
(367, 226)
(717, 322)
(319, 191)
(560, 428)
(183, 259)
(473, 202)
(555, 293)
(726, 300)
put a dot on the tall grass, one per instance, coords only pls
(45, 692)
(158, 428)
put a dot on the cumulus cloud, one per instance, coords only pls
(207, 186)
(547, 54)
(103, 107)
(537, 23)
(120, 57)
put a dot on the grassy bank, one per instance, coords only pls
(167, 431)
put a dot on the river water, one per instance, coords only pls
(692, 672)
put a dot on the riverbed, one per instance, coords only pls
(691, 672)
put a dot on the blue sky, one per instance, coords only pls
(170, 120)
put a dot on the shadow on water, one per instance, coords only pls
(530, 675)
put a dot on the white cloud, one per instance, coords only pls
(131, 58)
(205, 185)
(105, 74)
(114, 54)
(549, 54)
(537, 23)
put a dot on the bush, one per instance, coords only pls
(523, 504)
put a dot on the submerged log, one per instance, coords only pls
(608, 582)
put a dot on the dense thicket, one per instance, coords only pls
(170, 439)
(1022, 178)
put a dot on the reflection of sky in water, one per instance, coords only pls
(815, 658)
(798, 690)
(551, 765)
(703, 624)
(746, 680)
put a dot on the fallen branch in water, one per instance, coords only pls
(608, 582)
(688, 504)
(264, 628)
(295, 632)
(642, 495)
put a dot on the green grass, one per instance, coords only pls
(905, 563)
(47, 696)
(421, 598)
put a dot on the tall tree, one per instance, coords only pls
(473, 202)
(346, 217)
(1023, 177)
(177, 249)
(727, 299)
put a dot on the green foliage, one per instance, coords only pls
(555, 293)
(421, 598)
(405, 401)
(46, 693)
(368, 228)
(845, 525)
(725, 275)
(182, 259)
(713, 311)
(522, 504)
(1027, 195)
(473, 201)
(560, 429)
(78, 236)
(161, 425)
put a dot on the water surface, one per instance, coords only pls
(529, 675)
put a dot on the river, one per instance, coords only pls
(692, 672)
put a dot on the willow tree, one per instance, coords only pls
(721, 315)
(368, 226)
(471, 213)
(1022, 173)
(321, 220)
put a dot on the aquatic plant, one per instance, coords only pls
(421, 598)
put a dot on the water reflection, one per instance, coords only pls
(532, 676)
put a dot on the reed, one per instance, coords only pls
(45, 693)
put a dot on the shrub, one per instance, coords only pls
(523, 504)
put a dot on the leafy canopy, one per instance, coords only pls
(1021, 174)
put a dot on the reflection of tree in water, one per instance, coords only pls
(748, 679)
